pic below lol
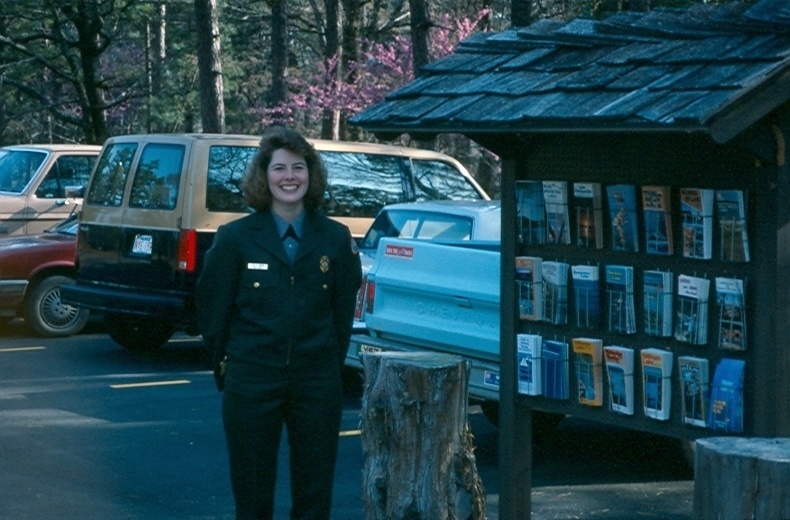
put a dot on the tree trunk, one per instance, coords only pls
(640, 5)
(89, 24)
(330, 125)
(278, 93)
(212, 104)
(159, 46)
(420, 34)
(156, 53)
(736, 478)
(521, 13)
(351, 20)
(419, 461)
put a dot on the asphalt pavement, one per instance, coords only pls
(89, 431)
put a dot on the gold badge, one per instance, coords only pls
(324, 264)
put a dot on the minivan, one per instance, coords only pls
(154, 202)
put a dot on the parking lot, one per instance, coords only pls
(90, 431)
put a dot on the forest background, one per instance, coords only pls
(85, 70)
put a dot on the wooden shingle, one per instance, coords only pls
(668, 69)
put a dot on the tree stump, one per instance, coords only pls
(737, 478)
(419, 460)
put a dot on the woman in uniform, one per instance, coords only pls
(275, 300)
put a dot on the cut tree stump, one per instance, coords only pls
(419, 460)
(737, 478)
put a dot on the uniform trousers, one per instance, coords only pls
(308, 401)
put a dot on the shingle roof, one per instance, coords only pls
(714, 69)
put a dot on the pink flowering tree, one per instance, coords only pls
(381, 69)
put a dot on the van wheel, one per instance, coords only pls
(139, 333)
(50, 317)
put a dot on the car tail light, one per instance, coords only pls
(187, 250)
(358, 314)
(370, 293)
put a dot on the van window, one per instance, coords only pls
(69, 171)
(110, 178)
(17, 167)
(360, 184)
(437, 180)
(226, 168)
(158, 176)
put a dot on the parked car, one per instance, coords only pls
(155, 201)
(440, 220)
(32, 270)
(41, 184)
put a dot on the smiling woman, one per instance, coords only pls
(275, 302)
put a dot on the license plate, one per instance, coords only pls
(143, 245)
(491, 378)
(366, 349)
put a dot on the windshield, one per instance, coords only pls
(67, 226)
(420, 225)
(17, 168)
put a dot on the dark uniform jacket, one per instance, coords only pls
(265, 315)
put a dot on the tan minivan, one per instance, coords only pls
(155, 201)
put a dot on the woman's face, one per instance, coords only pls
(288, 178)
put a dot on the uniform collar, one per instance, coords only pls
(282, 224)
(270, 237)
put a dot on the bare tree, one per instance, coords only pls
(212, 105)
(59, 51)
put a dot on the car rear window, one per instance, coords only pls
(158, 177)
(109, 180)
(418, 225)
(226, 168)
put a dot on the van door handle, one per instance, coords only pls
(463, 301)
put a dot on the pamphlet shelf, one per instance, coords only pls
(665, 272)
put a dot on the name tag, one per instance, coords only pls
(258, 267)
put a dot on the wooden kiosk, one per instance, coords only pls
(677, 99)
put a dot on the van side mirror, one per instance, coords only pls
(74, 192)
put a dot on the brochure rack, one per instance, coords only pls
(686, 177)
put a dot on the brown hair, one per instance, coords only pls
(256, 186)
